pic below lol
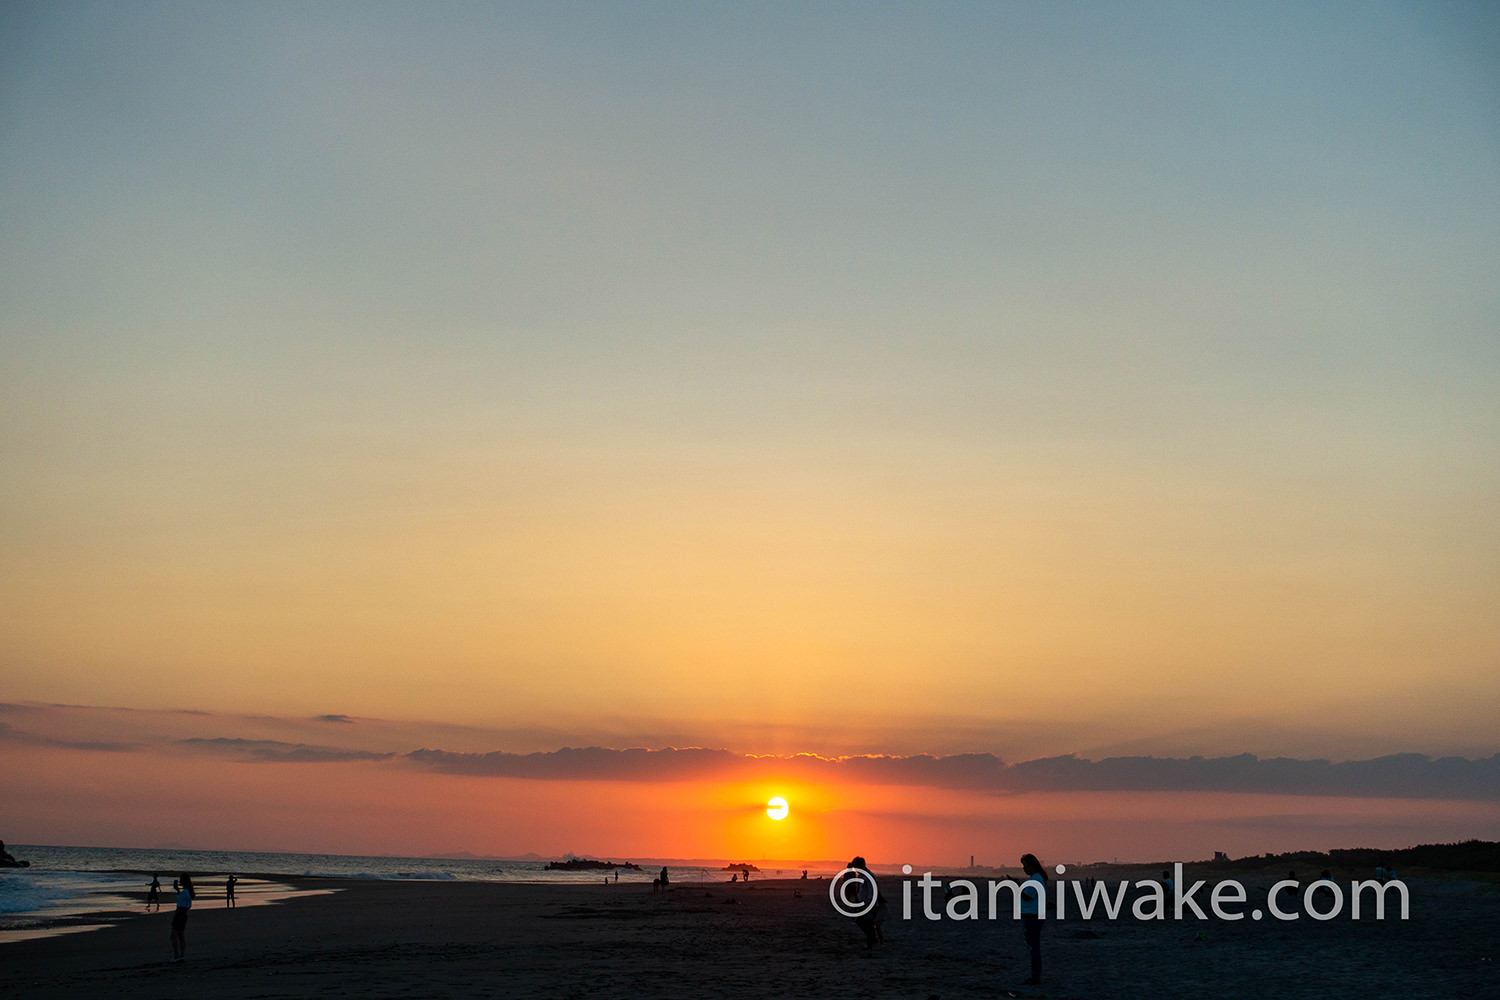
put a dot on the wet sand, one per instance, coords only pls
(444, 939)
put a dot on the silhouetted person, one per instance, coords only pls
(804, 874)
(5, 856)
(869, 899)
(229, 890)
(179, 918)
(1166, 880)
(153, 892)
(1032, 891)
(664, 879)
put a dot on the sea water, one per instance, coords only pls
(38, 897)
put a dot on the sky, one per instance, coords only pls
(831, 383)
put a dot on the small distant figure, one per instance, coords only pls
(660, 883)
(735, 877)
(1166, 880)
(1327, 875)
(179, 918)
(804, 874)
(747, 874)
(1380, 875)
(153, 892)
(229, 891)
(1031, 920)
(176, 887)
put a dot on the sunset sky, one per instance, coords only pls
(1004, 380)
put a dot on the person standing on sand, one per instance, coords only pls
(1033, 895)
(229, 891)
(179, 918)
(873, 916)
(153, 892)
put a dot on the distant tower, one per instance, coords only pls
(971, 861)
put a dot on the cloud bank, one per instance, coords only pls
(339, 739)
(1395, 776)
(273, 751)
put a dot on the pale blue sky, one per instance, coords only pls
(1068, 299)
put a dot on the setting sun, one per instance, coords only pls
(777, 808)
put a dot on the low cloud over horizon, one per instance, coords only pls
(1402, 775)
(343, 784)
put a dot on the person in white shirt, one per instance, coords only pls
(179, 918)
(1033, 896)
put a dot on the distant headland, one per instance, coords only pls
(586, 865)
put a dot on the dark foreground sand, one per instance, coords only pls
(403, 939)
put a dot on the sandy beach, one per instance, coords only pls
(424, 939)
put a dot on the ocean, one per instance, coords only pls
(72, 883)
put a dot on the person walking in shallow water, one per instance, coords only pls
(1033, 899)
(179, 918)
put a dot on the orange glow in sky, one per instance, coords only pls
(965, 395)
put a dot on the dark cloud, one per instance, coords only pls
(276, 752)
(1395, 776)
(16, 737)
(1399, 776)
(589, 763)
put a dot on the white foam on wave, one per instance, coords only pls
(23, 894)
(431, 876)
